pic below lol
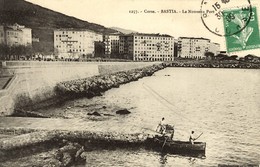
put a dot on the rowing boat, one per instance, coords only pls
(166, 143)
(175, 146)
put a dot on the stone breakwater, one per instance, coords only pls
(62, 148)
(94, 86)
(216, 65)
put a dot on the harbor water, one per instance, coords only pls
(223, 104)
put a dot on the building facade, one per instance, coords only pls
(214, 48)
(147, 47)
(75, 43)
(14, 35)
(111, 42)
(195, 48)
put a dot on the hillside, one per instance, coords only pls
(42, 21)
(124, 31)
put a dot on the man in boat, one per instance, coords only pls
(192, 138)
(161, 126)
(172, 133)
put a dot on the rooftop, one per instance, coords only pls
(146, 34)
(14, 27)
(194, 38)
(75, 29)
(11, 29)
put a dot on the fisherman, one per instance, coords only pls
(192, 138)
(172, 133)
(162, 126)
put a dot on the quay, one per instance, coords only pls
(35, 83)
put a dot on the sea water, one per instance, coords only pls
(223, 104)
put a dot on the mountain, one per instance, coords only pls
(124, 31)
(42, 21)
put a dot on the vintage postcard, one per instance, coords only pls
(129, 83)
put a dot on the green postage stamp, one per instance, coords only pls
(241, 29)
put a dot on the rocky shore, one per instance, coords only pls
(215, 64)
(94, 86)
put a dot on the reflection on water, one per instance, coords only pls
(221, 103)
(135, 157)
(192, 160)
(163, 159)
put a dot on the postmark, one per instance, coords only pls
(212, 14)
(248, 36)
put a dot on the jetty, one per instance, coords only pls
(67, 129)
(18, 134)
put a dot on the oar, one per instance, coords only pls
(198, 136)
(164, 142)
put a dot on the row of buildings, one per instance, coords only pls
(83, 43)
(134, 46)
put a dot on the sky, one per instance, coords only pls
(118, 13)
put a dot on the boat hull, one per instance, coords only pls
(174, 146)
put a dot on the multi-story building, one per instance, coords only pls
(14, 35)
(214, 48)
(75, 43)
(147, 47)
(111, 42)
(190, 47)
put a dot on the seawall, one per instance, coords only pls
(34, 82)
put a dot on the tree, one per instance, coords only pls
(249, 57)
(233, 57)
(209, 55)
(16, 50)
(252, 58)
(3, 51)
(221, 57)
(29, 51)
(99, 49)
